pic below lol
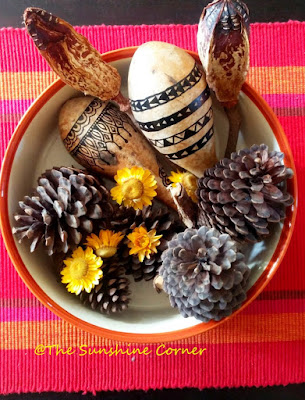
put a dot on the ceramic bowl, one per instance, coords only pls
(36, 146)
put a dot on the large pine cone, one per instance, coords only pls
(163, 221)
(112, 294)
(203, 274)
(63, 208)
(242, 195)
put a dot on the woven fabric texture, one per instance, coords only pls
(263, 345)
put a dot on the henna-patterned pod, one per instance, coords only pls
(103, 139)
(223, 47)
(171, 102)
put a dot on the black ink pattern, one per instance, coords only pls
(93, 148)
(169, 94)
(191, 149)
(178, 116)
(163, 175)
(80, 124)
(186, 134)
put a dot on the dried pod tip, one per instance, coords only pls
(43, 27)
(223, 47)
(122, 102)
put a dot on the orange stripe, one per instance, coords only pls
(24, 85)
(241, 329)
(277, 80)
(266, 80)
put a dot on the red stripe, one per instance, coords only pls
(14, 106)
(285, 100)
(11, 285)
(227, 365)
(278, 44)
(27, 314)
(265, 51)
(276, 306)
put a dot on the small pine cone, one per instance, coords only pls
(123, 219)
(164, 222)
(112, 294)
(204, 274)
(62, 210)
(243, 194)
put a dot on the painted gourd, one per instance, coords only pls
(103, 139)
(171, 102)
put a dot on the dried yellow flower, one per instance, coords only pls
(106, 243)
(188, 181)
(82, 271)
(143, 243)
(135, 187)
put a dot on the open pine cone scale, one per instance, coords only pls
(242, 195)
(66, 206)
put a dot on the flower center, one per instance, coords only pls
(132, 189)
(142, 241)
(78, 268)
(106, 251)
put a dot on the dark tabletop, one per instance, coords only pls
(133, 12)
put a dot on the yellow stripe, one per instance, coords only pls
(241, 329)
(24, 85)
(266, 80)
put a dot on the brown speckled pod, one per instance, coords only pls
(72, 57)
(223, 47)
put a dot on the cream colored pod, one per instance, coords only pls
(171, 102)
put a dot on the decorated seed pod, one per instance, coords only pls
(171, 102)
(104, 139)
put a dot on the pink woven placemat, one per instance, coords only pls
(263, 345)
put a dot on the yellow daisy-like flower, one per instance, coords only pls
(143, 243)
(106, 243)
(188, 181)
(82, 271)
(135, 187)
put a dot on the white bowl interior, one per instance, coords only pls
(41, 148)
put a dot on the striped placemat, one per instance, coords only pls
(263, 345)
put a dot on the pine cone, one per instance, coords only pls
(242, 195)
(124, 219)
(63, 208)
(112, 294)
(203, 274)
(160, 219)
